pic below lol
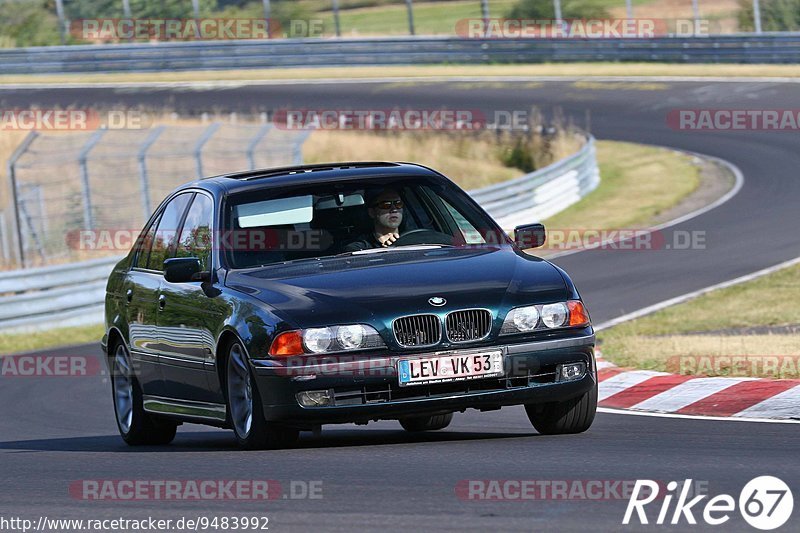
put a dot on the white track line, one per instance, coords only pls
(610, 411)
(694, 294)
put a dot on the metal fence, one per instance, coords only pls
(60, 295)
(169, 56)
(66, 182)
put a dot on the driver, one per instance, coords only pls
(385, 209)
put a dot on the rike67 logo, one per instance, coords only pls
(765, 503)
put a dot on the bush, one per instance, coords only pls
(776, 15)
(570, 9)
(25, 23)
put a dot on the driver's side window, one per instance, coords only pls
(165, 237)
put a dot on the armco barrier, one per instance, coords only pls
(73, 294)
(168, 56)
(54, 296)
(543, 193)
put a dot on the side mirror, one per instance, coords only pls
(183, 269)
(530, 236)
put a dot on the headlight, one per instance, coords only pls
(554, 315)
(571, 313)
(350, 337)
(318, 340)
(521, 319)
(326, 340)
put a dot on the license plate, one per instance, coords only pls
(449, 367)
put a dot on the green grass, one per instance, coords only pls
(637, 183)
(25, 342)
(653, 341)
(772, 300)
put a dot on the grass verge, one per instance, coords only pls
(11, 343)
(711, 326)
(637, 184)
(581, 70)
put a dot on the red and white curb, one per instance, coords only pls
(660, 392)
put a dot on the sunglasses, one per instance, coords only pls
(388, 204)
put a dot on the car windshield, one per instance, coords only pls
(269, 226)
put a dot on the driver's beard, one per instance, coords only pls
(384, 221)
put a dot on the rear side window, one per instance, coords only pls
(195, 240)
(166, 234)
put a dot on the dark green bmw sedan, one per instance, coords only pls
(275, 301)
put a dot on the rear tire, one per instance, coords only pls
(136, 426)
(415, 424)
(573, 416)
(245, 410)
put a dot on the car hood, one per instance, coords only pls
(376, 288)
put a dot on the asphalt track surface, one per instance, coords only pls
(55, 431)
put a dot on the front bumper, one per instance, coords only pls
(366, 388)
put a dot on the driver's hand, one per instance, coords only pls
(388, 240)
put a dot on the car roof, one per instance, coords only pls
(310, 174)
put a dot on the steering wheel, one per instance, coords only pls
(423, 236)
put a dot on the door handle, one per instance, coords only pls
(129, 295)
(162, 301)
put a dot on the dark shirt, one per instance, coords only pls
(365, 241)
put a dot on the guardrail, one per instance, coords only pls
(74, 294)
(542, 193)
(54, 296)
(781, 47)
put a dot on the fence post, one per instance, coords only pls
(336, 18)
(757, 16)
(198, 149)
(142, 157)
(410, 7)
(251, 147)
(61, 22)
(88, 216)
(12, 174)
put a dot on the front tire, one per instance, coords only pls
(560, 418)
(136, 426)
(416, 424)
(245, 411)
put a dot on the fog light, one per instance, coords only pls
(315, 398)
(570, 371)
